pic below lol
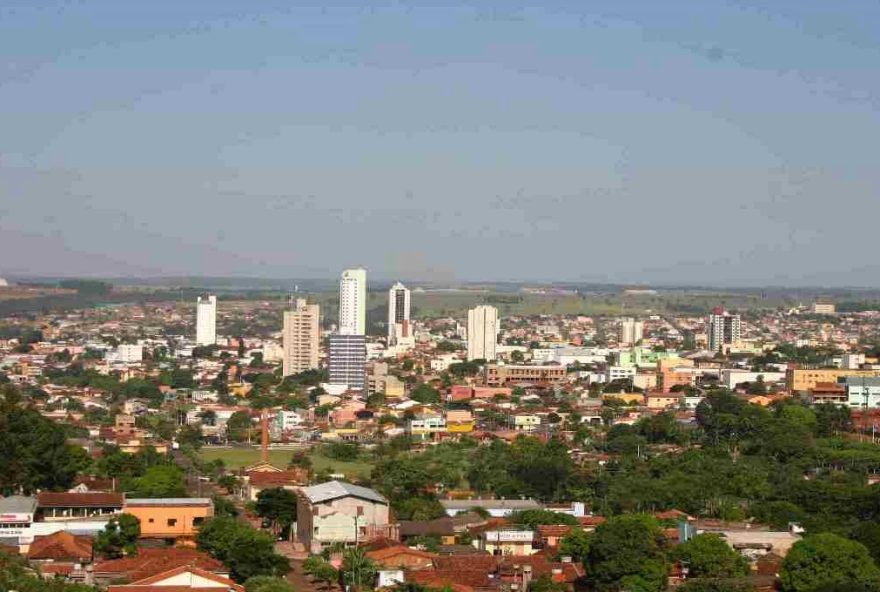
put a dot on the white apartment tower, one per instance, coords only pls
(630, 331)
(301, 337)
(398, 313)
(482, 333)
(723, 329)
(206, 320)
(353, 302)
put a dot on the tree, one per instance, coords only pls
(247, 551)
(238, 426)
(34, 453)
(708, 556)
(533, 518)
(358, 570)
(425, 393)
(160, 481)
(119, 537)
(823, 560)
(320, 570)
(342, 451)
(267, 584)
(278, 505)
(576, 544)
(627, 547)
(208, 417)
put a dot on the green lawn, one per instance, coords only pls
(235, 458)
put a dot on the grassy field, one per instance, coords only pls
(235, 458)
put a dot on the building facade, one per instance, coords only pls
(339, 513)
(206, 320)
(630, 331)
(398, 313)
(353, 302)
(301, 337)
(482, 333)
(348, 360)
(723, 329)
(499, 375)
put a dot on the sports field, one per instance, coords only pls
(235, 458)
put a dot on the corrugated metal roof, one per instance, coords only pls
(335, 489)
(18, 504)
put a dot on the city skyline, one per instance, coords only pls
(134, 139)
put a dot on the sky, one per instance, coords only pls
(711, 142)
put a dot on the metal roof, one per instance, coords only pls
(508, 504)
(18, 504)
(336, 489)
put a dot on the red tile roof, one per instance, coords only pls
(94, 499)
(61, 546)
(149, 562)
(281, 478)
(155, 582)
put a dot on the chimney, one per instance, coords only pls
(264, 448)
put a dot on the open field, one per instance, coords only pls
(235, 458)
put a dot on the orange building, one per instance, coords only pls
(170, 518)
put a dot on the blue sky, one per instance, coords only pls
(660, 142)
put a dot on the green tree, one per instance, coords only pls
(278, 506)
(119, 537)
(627, 549)
(533, 518)
(576, 544)
(160, 481)
(267, 584)
(358, 570)
(823, 560)
(247, 551)
(545, 583)
(708, 556)
(238, 426)
(425, 393)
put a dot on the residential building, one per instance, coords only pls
(65, 506)
(803, 380)
(501, 374)
(286, 420)
(206, 320)
(622, 373)
(861, 392)
(181, 579)
(723, 328)
(348, 360)
(823, 308)
(301, 337)
(339, 513)
(170, 518)
(526, 422)
(152, 561)
(629, 331)
(398, 313)
(730, 377)
(852, 361)
(511, 540)
(426, 425)
(128, 353)
(353, 302)
(482, 333)
(497, 508)
(63, 554)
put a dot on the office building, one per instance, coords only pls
(630, 331)
(823, 308)
(301, 337)
(348, 360)
(353, 302)
(482, 333)
(723, 329)
(398, 313)
(206, 320)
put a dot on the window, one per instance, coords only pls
(172, 522)
(198, 521)
(151, 521)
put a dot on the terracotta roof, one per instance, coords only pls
(61, 546)
(277, 479)
(459, 580)
(387, 555)
(452, 563)
(553, 530)
(95, 499)
(156, 580)
(150, 561)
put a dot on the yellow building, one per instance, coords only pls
(805, 379)
(637, 398)
(170, 518)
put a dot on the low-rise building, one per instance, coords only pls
(340, 513)
(499, 375)
(170, 518)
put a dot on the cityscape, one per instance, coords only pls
(470, 296)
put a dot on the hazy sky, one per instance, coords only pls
(655, 141)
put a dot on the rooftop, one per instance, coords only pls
(18, 504)
(337, 489)
(169, 501)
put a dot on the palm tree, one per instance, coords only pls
(357, 569)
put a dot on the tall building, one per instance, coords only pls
(398, 313)
(353, 302)
(723, 329)
(348, 360)
(482, 333)
(206, 320)
(301, 337)
(630, 331)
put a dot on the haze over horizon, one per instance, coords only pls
(640, 142)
